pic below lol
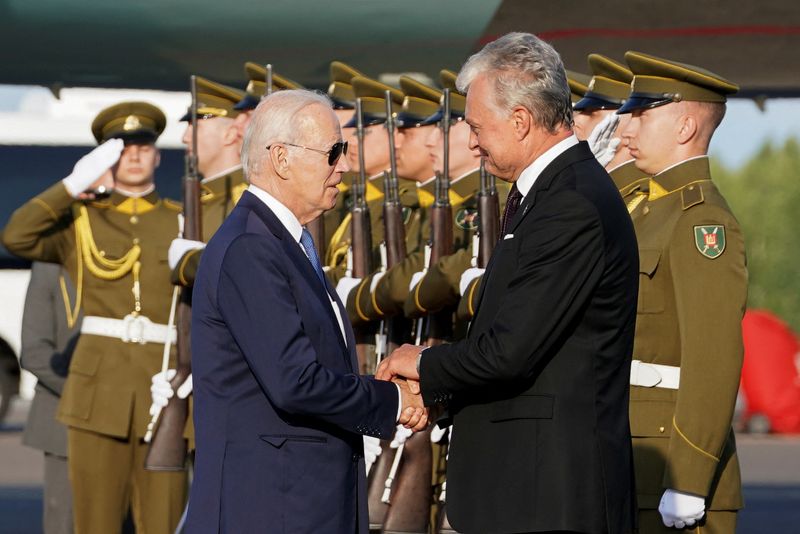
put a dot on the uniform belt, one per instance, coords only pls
(652, 375)
(130, 329)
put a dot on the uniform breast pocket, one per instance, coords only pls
(651, 292)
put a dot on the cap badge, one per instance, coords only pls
(131, 123)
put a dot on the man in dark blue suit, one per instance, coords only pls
(279, 408)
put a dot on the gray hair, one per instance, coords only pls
(277, 119)
(527, 72)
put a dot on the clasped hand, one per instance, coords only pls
(401, 368)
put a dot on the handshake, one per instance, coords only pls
(400, 367)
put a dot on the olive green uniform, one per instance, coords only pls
(106, 398)
(364, 306)
(692, 295)
(341, 238)
(218, 197)
(633, 185)
(439, 287)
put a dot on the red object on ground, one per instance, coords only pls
(770, 375)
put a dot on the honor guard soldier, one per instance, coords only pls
(606, 93)
(688, 351)
(376, 161)
(578, 85)
(219, 143)
(343, 97)
(115, 250)
(383, 293)
(437, 287)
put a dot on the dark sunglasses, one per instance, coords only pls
(333, 154)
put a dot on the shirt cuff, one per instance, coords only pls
(399, 403)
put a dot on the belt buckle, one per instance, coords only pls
(135, 326)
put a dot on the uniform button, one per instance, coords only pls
(645, 210)
(661, 429)
(691, 187)
(134, 219)
(135, 240)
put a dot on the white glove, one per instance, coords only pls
(92, 166)
(400, 436)
(467, 277)
(415, 279)
(680, 509)
(372, 449)
(437, 433)
(161, 391)
(601, 141)
(345, 285)
(179, 247)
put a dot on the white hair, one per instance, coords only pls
(277, 119)
(526, 72)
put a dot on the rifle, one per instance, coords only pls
(410, 508)
(395, 232)
(489, 217)
(393, 252)
(360, 253)
(440, 324)
(168, 447)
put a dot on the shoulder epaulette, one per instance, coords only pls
(101, 204)
(692, 195)
(173, 205)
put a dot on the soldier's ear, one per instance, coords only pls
(687, 128)
(158, 158)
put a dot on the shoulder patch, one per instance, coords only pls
(467, 219)
(710, 240)
(692, 195)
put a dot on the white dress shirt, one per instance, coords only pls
(532, 171)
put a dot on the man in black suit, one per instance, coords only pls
(538, 391)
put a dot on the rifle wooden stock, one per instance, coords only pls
(361, 242)
(168, 447)
(440, 324)
(377, 476)
(488, 217)
(317, 230)
(409, 511)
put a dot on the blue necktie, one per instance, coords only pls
(308, 245)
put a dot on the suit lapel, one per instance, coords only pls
(572, 155)
(295, 253)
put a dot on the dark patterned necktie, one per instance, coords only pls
(308, 245)
(512, 205)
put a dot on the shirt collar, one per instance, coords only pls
(286, 217)
(531, 173)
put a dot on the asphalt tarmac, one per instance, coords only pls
(770, 474)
